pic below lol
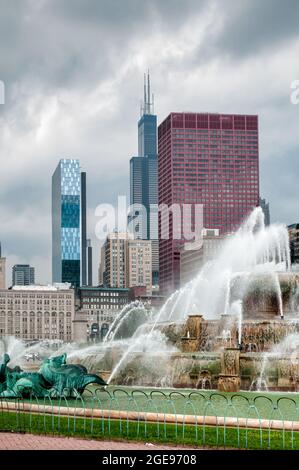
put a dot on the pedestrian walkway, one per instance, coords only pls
(15, 441)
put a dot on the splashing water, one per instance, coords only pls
(123, 314)
(253, 250)
(18, 349)
(236, 309)
(144, 344)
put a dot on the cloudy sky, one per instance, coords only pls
(73, 75)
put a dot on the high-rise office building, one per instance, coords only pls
(139, 264)
(208, 159)
(266, 210)
(144, 179)
(102, 266)
(114, 259)
(2, 270)
(89, 263)
(66, 236)
(23, 275)
(83, 231)
(126, 262)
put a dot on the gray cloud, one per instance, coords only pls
(251, 26)
(73, 72)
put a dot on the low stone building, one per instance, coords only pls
(97, 308)
(38, 312)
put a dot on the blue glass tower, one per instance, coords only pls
(147, 136)
(66, 238)
(144, 178)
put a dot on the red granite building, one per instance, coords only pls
(209, 159)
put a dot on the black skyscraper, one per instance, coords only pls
(83, 231)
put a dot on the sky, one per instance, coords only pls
(73, 77)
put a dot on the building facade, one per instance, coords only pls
(139, 264)
(66, 235)
(23, 275)
(89, 263)
(98, 308)
(114, 259)
(2, 270)
(193, 259)
(294, 243)
(126, 262)
(208, 159)
(102, 266)
(37, 312)
(144, 180)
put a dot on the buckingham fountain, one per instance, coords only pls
(234, 326)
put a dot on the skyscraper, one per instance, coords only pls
(83, 231)
(126, 262)
(208, 159)
(266, 210)
(113, 257)
(66, 237)
(2, 270)
(23, 275)
(144, 179)
(139, 264)
(89, 263)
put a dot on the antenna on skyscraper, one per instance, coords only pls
(148, 93)
(147, 103)
(144, 103)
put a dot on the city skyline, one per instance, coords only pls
(72, 110)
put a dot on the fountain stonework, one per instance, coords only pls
(221, 353)
(234, 326)
(191, 342)
(227, 353)
(229, 379)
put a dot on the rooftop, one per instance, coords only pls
(49, 287)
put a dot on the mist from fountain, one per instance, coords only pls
(237, 310)
(278, 293)
(253, 250)
(287, 349)
(120, 318)
(260, 383)
(163, 309)
(145, 344)
(18, 350)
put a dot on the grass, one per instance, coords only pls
(196, 436)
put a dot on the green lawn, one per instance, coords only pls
(196, 436)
